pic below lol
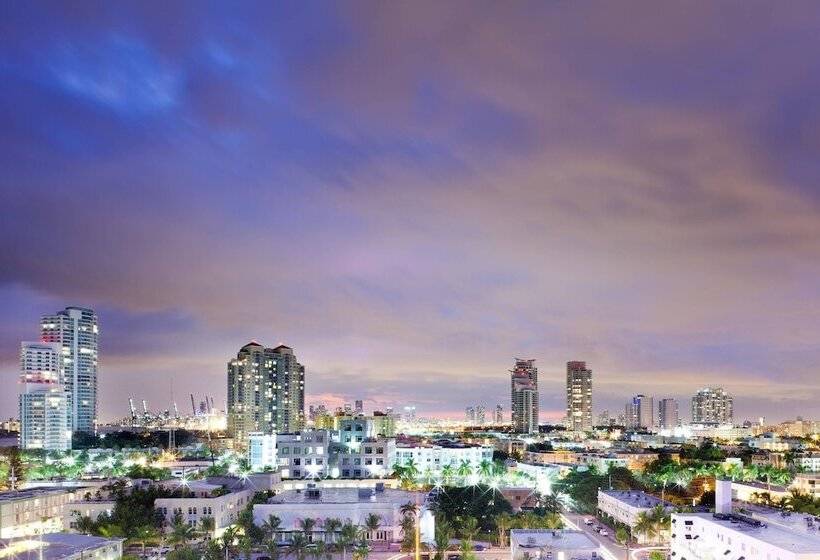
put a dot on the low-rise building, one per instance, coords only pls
(200, 499)
(431, 459)
(34, 511)
(707, 536)
(807, 483)
(602, 462)
(92, 509)
(557, 544)
(625, 506)
(753, 491)
(305, 454)
(62, 546)
(370, 458)
(808, 462)
(347, 504)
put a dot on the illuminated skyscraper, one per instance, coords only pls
(499, 414)
(712, 405)
(524, 393)
(76, 330)
(579, 396)
(668, 417)
(43, 401)
(640, 413)
(266, 392)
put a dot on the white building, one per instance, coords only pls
(809, 461)
(712, 405)
(62, 546)
(34, 511)
(43, 403)
(432, 458)
(305, 454)
(197, 500)
(347, 504)
(262, 451)
(707, 536)
(372, 458)
(807, 483)
(626, 505)
(559, 544)
(76, 330)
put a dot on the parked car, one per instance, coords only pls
(603, 532)
(588, 521)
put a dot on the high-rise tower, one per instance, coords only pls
(266, 392)
(579, 396)
(43, 400)
(668, 414)
(640, 413)
(76, 330)
(524, 393)
(712, 405)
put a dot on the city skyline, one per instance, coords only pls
(416, 196)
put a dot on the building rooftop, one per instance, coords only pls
(345, 496)
(34, 493)
(783, 535)
(636, 498)
(55, 546)
(556, 539)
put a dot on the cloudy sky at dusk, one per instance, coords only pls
(411, 194)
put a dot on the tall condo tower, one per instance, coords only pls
(43, 401)
(712, 405)
(579, 396)
(524, 392)
(266, 392)
(76, 330)
(668, 414)
(640, 413)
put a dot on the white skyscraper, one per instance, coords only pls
(524, 393)
(579, 396)
(640, 413)
(668, 417)
(76, 330)
(712, 405)
(43, 401)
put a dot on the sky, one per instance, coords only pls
(413, 194)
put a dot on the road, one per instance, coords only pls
(615, 551)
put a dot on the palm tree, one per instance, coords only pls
(485, 469)
(347, 536)
(465, 469)
(307, 525)
(361, 551)
(442, 539)
(207, 525)
(331, 526)
(246, 546)
(409, 509)
(298, 545)
(469, 528)
(503, 523)
(228, 538)
(371, 524)
(408, 533)
(447, 474)
(181, 534)
(319, 550)
(271, 526)
(411, 470)
(645, 525)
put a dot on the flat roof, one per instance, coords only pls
(778, 535)
(55, 545)
(556, 539)
(37, 492)
(636, 498)
(345, 496)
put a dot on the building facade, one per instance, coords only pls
(524, 396)
(668, 414)
(640, 413)
(625, 506)
(34, 511)
(712, 405)
(266, 392)
(579, 396)
(43, 402)
(76, 330)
